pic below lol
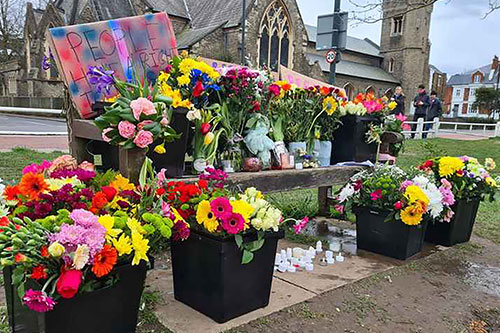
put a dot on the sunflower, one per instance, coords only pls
(32, 185)
(330, 105)
(449, 165)
(205, 216)
(410, 215)
(104, 261)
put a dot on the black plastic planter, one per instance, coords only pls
(209, 276)
(349, 142)
(108, 310)
(393, 239)
(459, 229)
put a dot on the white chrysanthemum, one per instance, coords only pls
(435, 206)
(267, 218)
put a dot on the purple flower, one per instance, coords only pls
(216, 175)
(83, 218)
(47, 61)
(82, 174)
(38, 301)
(37, 168)
(181, 231)
(102, 79)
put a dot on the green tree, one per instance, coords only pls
(487, 99)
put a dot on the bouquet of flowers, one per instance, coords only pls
(374, 106)
(351, 108)
(210, 206)
(467, 178)
(138, 116)
(388, 188)
(68, 228)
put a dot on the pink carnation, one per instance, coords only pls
(37, 168)
(38, 301)
(64, 162)
(83, 218)
(104, 136)
(405, 184)
(142, 106)
(300, 225)
(126, 129)
(143, 139)
(86, 166)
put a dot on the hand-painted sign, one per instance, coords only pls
(301, 80)
(122, 45)
(222, 65)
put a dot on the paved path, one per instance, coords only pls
(15, 124)
(40, 143)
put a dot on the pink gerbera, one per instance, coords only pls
(233, 223)
(38, 301)
(220, 207)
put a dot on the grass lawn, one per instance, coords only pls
(304, 202)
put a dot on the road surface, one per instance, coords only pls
(14, 124)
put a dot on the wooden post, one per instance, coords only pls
(323, 206)
(131, 161)
(420, 128)
(435, 127)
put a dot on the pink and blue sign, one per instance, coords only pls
(141, 43)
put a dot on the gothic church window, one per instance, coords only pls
(349, 91)
(397, 25)
(391, 65)
(274, 39)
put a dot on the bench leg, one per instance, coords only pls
(323, 202)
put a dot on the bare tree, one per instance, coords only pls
(493, 5)
(11, 28)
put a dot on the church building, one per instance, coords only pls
(275, 34)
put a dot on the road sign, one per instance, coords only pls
(331, 56)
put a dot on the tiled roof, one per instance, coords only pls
(466, 78)
(172, 7)
(105, 9)
(206, 13)
(365, 46)
(350, 68)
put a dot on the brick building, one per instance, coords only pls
(275, 34)
(460, 92)
(437, 82)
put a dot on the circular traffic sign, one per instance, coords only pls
(331, 56)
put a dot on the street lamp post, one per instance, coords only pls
(243, 31)
(335, 42)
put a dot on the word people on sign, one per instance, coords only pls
(142, 43)
(331, 56)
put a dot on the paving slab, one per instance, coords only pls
(179, 317)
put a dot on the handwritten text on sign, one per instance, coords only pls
(301, 80)
(122, 45)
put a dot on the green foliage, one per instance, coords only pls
(487, 99)
(295, 204)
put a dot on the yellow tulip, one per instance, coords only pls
(160, 149)
(209, 137)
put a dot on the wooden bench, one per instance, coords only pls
(287, 180)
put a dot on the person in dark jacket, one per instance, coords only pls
(421, 104)
(435, 109)
(399, 98)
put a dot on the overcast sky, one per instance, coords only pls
(461, 39)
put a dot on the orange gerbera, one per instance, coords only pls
(32, 185)
(324, 91)
(104, 261)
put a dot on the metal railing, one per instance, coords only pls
(432, 128)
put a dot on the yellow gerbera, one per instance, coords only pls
(123, 245)
(121, 183)
(449, 165)
(409, 216)
(414, 193)
(205, 216)
(140, 246)
(244, 208)
(330, 105)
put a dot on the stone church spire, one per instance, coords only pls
(405, 43)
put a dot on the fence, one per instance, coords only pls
(432, 128)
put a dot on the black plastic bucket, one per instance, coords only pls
(107, 310)
(459, 229)
(349, 142)
(393, 239)
(210, 278)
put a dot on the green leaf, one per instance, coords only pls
(239, 240)
(247, 257)
(20, 290)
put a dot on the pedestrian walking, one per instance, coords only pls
(421, 104)
(435, 109)
(399, 98)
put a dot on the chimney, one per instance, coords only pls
(494, 63)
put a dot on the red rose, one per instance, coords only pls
(203, 184)
(205, 128)
(256, 106)
(398, 205)
(198, 89)
(68, 283)
(44, 251)
(99, 200)
(4, 221)
(109, 191)
(160, 191)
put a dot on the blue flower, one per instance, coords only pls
(101, 78)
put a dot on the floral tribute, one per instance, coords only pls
(65, 228)
(388, 188)
(465, 176)
(208, 205)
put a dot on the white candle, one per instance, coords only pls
(335, 245)
(283, 255)
(291, 269)
(297, 252)
(329, 254)
(319, 246)
(299, 166)
(339, 258)
(277, 260)
(309, 267)
(288, 253)
(282, 267)
(330, 261)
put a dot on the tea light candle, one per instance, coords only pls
(339, 258)
(329, 254)
(282, 267)
(288, 253)
(277, 260)
(330, 261)
(335, 245)
(309, 267)
(297, 252)
(283, 255)
(319, 246)
(291, 269)
(299, 166)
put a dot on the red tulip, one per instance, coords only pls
(205, 128)
(198, 89)
(68, 283)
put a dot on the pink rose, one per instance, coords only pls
(68, 283)
(141, 125)
(162, 177)
(64, 162)
(164, 121)
(142, 106)
(126, 129)
(104, 136)
(86, 166)
(143, 139)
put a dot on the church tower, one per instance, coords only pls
(405, 43)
